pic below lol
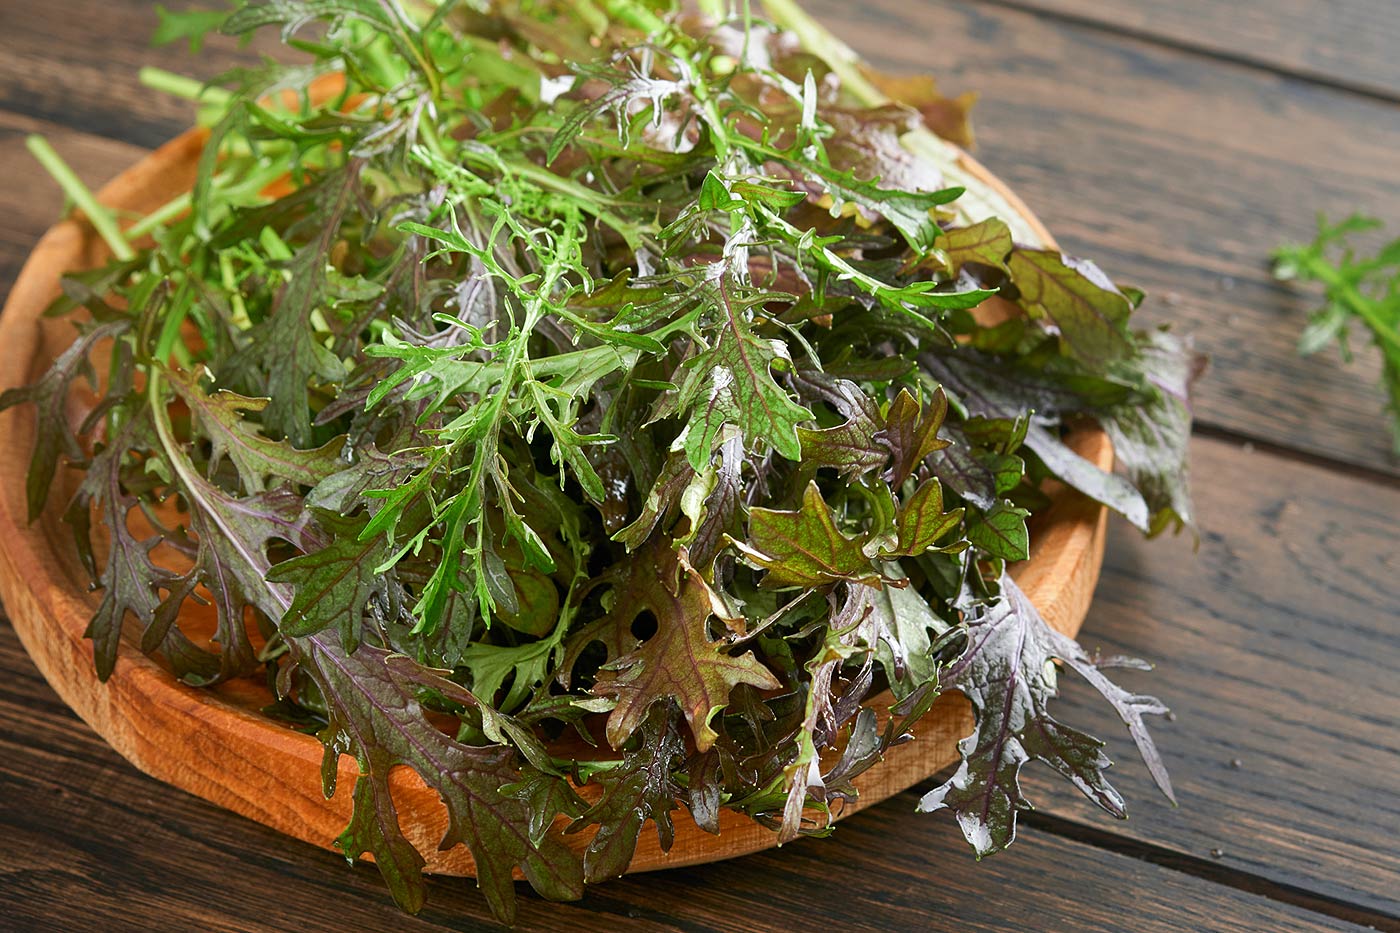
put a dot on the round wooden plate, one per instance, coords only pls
(216, 744)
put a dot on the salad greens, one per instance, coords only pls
(1361, 291)
(600, 372)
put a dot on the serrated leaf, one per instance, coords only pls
(1001, 531)
(640, 788)
(911, 433)
(679, 662)
(50, 396)
(1007, 674)
(731, 383)
(922, 521)
(804, 547)
(1076, 301)
(221, 416)
(334, 585)
(376, 716)
(987, 243)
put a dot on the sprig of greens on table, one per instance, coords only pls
(1361, 291)
(556, 364)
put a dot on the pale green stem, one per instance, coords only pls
(980, 201)
(177, 85)
(79, 193)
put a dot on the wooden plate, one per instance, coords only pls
(217, 745)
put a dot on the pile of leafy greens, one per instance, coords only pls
(597, 371)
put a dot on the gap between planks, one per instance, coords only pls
(1185, 46)
(1209, 870)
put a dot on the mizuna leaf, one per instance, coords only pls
(1006, 673)
(284, 354)
(899, 626)
(334, 585)
(639, 789)
(804, 548)
(257, 457)
(193, 25)
(909, 211)
(1076, 301)
(679, 662)
(732, 383)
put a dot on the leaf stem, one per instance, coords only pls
(182, 86)
(81, 195)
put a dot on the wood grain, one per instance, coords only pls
(1179, 177)
(1128, 147)
(92, 846)
(219, 747)
(1282, 624)
(1277, 646)
(1351, 43)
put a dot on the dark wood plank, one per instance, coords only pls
(1351, 43)
(77, 62)
(91, 844)
(1179, 175)
(1277, 648)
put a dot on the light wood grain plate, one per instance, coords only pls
(216, 744)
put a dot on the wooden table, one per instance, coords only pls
(1174, 142)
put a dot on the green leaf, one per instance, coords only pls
(922, 521)
(987, 243)
(194, 25)
(1363, 291)
(804, 548)
(732, 383)
(1001, 531)
(1076, 301)
(335, 584)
